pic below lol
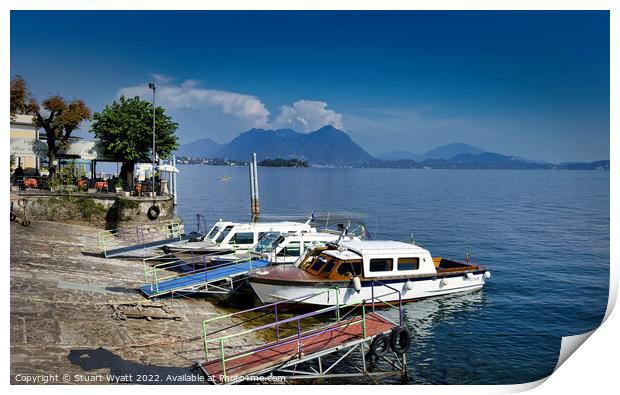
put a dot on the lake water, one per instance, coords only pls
(543, 234)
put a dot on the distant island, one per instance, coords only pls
(279, 162)
(330, 147)
(192, 160)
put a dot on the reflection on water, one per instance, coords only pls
(535, 230)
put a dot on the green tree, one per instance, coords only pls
(58, 117)
(125, 128)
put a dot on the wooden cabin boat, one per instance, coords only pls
(363, 269)
(230, 237)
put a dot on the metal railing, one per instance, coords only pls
(300, 335)
(172, 269)
(139, 234)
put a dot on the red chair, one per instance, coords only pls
(101, 185)
(30, 183)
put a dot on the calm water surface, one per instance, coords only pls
(543, 234)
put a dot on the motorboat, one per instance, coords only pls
(286, 248)
(235, 237)
(359, 271)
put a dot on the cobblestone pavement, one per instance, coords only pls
(62, 294)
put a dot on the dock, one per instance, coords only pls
(297, 354)
(193, 275)
(131, 239)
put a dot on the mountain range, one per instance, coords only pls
(325, 146)
(329, 146)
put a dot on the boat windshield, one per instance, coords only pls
(213, 232)
(268, 242)
(224, 233)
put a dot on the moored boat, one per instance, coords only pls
(363, 270)
(230, 237)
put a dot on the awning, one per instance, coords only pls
(81, 149)
(28, 147)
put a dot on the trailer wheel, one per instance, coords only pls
(400, 340)
(380, 345)
(153, 213)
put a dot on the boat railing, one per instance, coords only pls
(283, 334)
(156, 274)
(139, 234)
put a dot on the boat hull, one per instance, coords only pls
(324, 294)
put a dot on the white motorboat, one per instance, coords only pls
(286, 248)
(235, 237)
(359, 271)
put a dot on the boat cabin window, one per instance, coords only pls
(224, 233)
(328, 267)
(267, 242)
(213, 232)
(408, 263)
(311, 257)
(381, 265)
(292, 249)
(318, 263)
(350, 268)
(243, 238)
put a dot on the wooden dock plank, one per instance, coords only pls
(281, 351)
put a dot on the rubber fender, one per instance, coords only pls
(380, 345)
(153, 212)
(400, 340)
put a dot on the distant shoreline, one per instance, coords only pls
(405, 168)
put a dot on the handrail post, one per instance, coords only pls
(156, 282)
(400, 309)
(275, 306)
(204, 338)
(337, 304)
(222, 357)
(146, 277)
(298, 338)
(372, 290)
(364, 319)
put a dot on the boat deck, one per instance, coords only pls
(277, 353)
(200, 278)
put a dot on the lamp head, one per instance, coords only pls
(152, 85)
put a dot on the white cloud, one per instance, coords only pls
(189, 96)
(308, 115)
(222, 115)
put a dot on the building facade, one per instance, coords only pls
(22, 127)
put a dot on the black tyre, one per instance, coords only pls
(400, 340)
(380, 345)
(153, 213)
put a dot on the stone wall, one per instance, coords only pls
(102, 210)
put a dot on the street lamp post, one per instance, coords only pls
(152, 86)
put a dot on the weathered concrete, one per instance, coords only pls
(62, 306)
(99, 209)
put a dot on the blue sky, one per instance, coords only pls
(533, 84)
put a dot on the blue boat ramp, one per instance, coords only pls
(182, 277)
